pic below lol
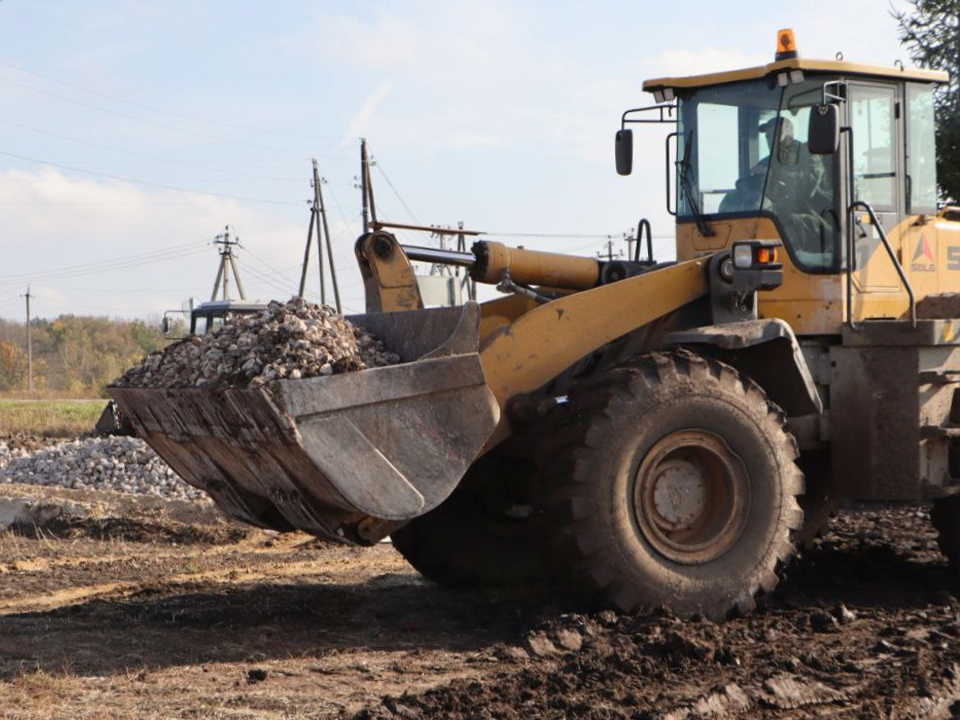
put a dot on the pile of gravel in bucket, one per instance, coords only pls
(122, 464)
(292, 340)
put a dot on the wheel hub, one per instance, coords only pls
(691, 496)
(679, 495)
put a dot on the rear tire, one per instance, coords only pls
(945, 516)
(680, 492)
(817, 504)
(486, 534)
(817, 512)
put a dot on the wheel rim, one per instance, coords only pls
(691, 496)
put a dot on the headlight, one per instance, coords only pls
(742, 256)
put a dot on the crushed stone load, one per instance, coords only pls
(292, 340)
(122, 464)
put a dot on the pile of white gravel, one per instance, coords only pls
(123, 464)
(292, 340)
(8, 454)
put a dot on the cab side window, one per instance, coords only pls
(921, 151)
(874, 145)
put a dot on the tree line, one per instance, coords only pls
(931, 32)
(73, 356)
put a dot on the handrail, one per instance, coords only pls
(886, 244)
(668, 114)
(670, 136)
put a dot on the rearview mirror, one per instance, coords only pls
(624, 151)
(823, 136)
(166, 325)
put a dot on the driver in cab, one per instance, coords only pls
(795, 177)
(792, 185)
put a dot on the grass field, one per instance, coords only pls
(49, 418)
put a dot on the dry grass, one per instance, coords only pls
(49, 418)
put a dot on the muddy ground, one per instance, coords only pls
(122, 607)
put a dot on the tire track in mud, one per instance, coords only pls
(53, 599)
(251, 545)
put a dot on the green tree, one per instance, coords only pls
(931, 31)
(13, 366)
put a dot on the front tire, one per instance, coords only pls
(681, 491)
(945, 516)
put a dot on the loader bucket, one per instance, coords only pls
(346, 457)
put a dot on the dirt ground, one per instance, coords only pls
(133, 608)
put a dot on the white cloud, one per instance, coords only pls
(362, 118)
(67, 222)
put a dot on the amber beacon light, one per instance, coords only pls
(786, 45)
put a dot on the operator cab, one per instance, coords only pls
(204, 317)
(210, 316)
(751, 161)
(743, 149)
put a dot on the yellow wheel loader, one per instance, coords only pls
(637, 433)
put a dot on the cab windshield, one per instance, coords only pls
(743, 152)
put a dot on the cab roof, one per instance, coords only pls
(834, 67)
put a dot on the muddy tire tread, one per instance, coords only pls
(593, 413)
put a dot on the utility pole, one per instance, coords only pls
(363, 185)
(366, 188)
(227, 264)
(318, 221)
(467, 283)
(318, 201)
(609, 253)
(29, 346)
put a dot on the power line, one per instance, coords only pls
(390, 184)
(69, 305)
(571, 236)
(122, 258)
(272, 283)
(151, 108)
(134, 153)
(101, 268)
(114, 267)
(270, 268)
(154, 123)
(340, 210)
(148, 183)
(112, 290)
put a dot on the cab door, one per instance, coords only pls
(873, 115)
(926, 254)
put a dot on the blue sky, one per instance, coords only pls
(497, 114)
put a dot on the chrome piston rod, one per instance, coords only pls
(439, 256)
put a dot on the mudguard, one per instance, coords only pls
(768, 352)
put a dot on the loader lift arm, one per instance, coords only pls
(541, 344)
(591, 303)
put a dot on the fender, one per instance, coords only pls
(765, 350)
